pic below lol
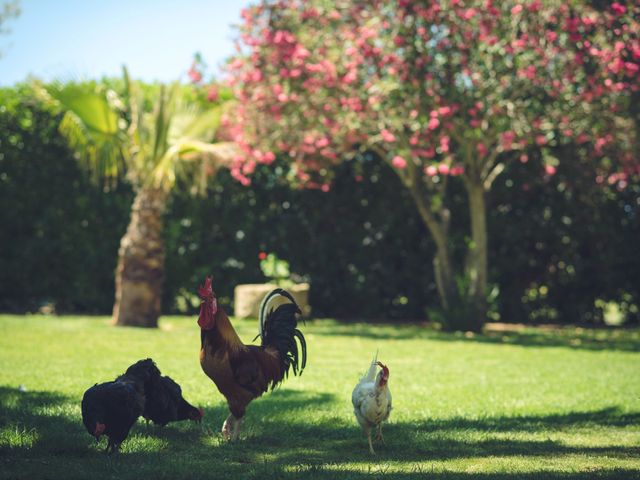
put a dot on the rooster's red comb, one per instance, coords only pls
(205, 291)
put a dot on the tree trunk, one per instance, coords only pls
(442, 262)
(477, 257)
(140, 270)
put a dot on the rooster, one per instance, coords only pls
(371, 400)
(244, 372)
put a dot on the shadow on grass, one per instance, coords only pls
(321, 472)
(570, 337)
(441, 439)
(280, 443)
(51, 422)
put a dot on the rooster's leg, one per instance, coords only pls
(227, 427)
(236, 429)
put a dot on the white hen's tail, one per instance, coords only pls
(371, 374)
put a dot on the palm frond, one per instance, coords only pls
(190, 122)
(91, 127)
(89, 104)
(158, 144)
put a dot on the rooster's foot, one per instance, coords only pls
(226, 427)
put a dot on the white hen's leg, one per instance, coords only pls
(368, 430)
(379, 437)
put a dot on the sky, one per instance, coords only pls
(80, 39)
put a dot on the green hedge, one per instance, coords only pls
(60, 233)
(557, 244)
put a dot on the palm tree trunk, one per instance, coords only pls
(140, 270)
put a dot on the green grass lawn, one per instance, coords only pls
(528, 404)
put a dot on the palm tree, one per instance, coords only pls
(152, 143)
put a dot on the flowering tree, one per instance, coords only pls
(443, 91)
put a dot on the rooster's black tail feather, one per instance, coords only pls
(278, 329)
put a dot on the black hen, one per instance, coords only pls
(164, 402)
(111, 409)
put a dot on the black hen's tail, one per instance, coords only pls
(278, 329)
(163, 396)
(144, 372)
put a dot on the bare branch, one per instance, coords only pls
(493, 174)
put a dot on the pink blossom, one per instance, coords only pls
(443, 168)
(535, 6)
(399, 162)
(516, 9)
(323, 142)
(431, 170)
(618, 9)
(541, 140)
(507, 139)
(433, 123)
(212, 94)
(469, 13)
(456, 170)
(350, 77)
(425, 152)
(444, 144)
(529, 72)
(387, 136)
(255, 76)
(482, 150)
(599, 145)
(550, 169)
(631, 68)
(249, 167)
(194, 75)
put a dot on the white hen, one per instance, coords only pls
(372, 400)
